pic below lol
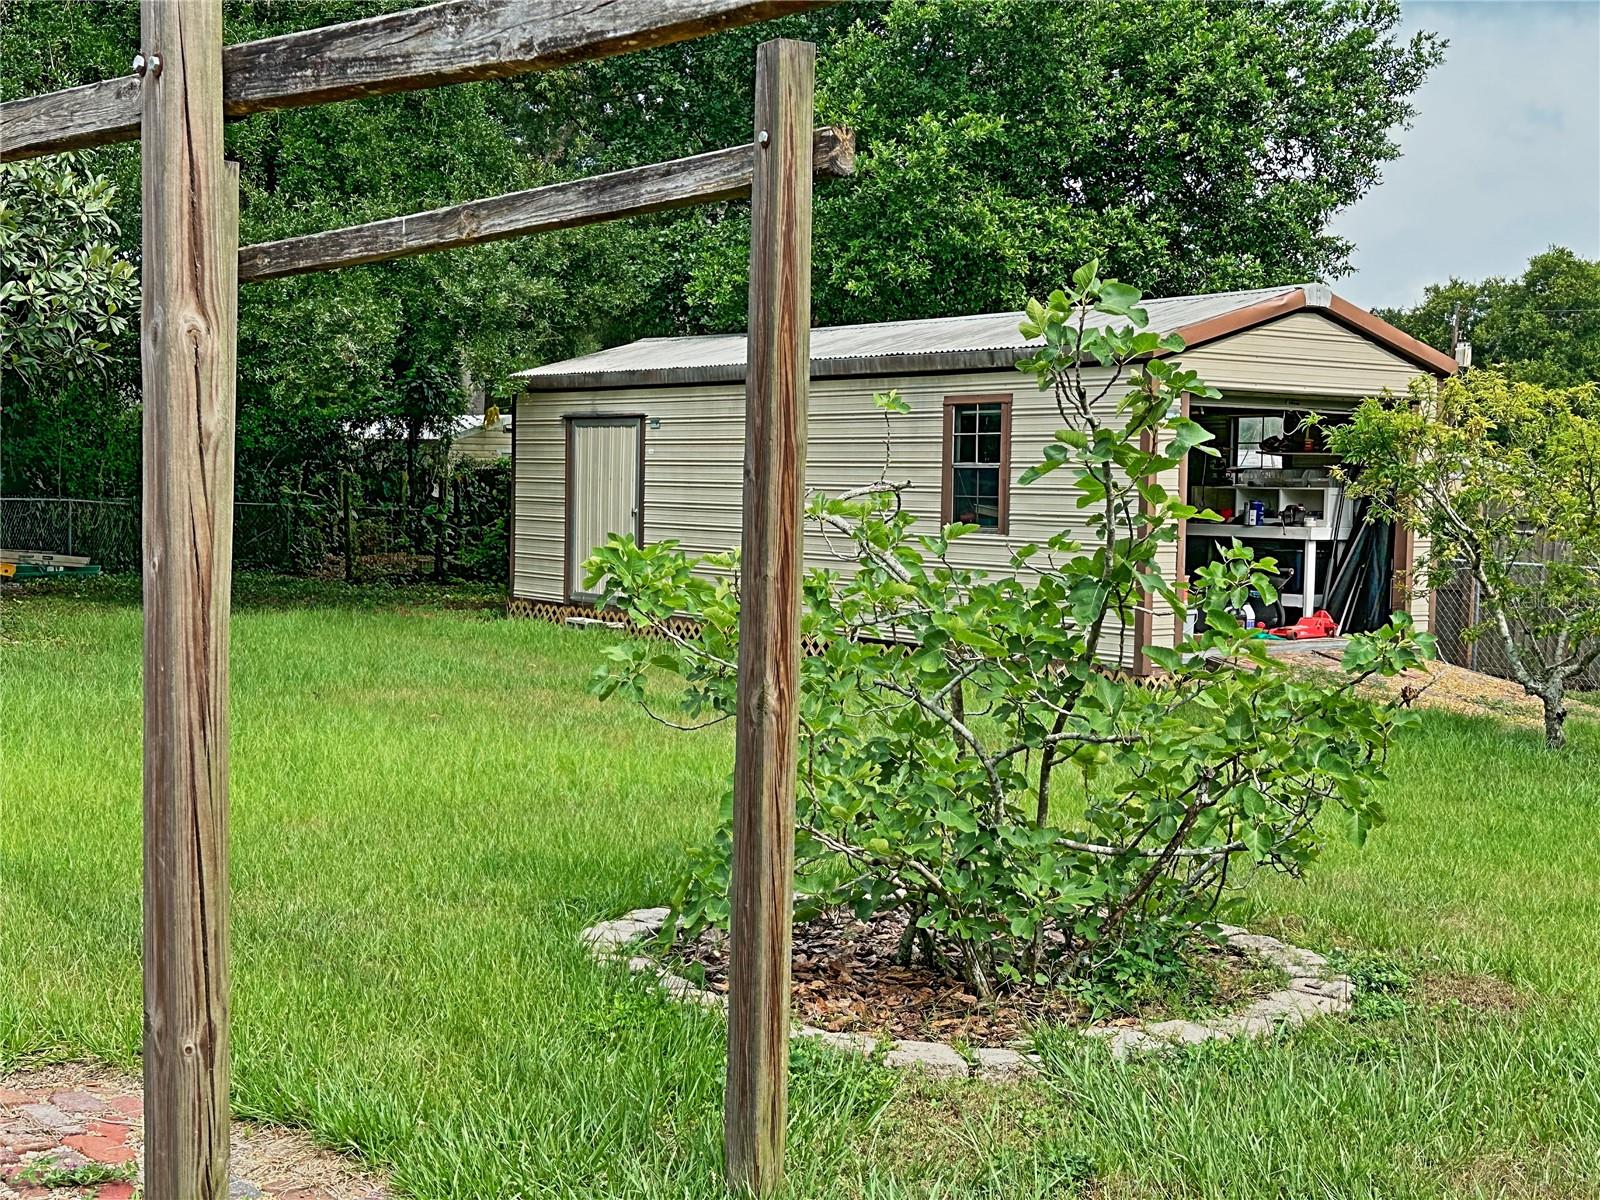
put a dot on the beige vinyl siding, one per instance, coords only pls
(694, 459)
(1302, 354)
(694, 467)
(482, 444)
(1420, 600)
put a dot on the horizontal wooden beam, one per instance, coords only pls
(719, 175)
(455, 42)
(95, 114)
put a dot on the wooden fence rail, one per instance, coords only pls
(455, 42)
(718, 175)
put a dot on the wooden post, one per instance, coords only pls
(405, 506)
(776, 388)
(348, 521)
(190, 310)
(441, 520)
(453, 525)
(286, 513)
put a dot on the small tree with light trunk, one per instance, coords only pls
(1503, 478)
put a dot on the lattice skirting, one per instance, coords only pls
(558, 613)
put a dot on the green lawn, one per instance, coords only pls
(427, 807)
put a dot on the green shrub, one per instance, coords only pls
(945, 705)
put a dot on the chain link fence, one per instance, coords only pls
(104, 531)
(459, 535)
(1463, 625)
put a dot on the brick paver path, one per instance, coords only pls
(76, 1133)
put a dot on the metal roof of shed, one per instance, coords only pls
(979, 342)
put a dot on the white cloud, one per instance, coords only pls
(1503, 159)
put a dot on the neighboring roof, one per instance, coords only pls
(975, 343)
(385, 430)
(471, 421)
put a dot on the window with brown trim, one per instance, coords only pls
(977, 461)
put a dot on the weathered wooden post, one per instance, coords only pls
(191, 238)
(347, 523)
(777, 384)
(441, 520)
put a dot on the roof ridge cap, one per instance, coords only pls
(1318, 295)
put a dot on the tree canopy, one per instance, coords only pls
(1543, 327)
(396, 344)
(1191, 146)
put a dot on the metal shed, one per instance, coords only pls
(647, 438)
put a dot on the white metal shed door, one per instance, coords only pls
(605, 491)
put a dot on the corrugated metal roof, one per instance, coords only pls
(937, 343)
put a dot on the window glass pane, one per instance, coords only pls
(1249, 432)
(976, 496)
(976, 432)
(976, 451)
(972, 419)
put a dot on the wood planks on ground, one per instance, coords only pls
(43, 558)
(719, 175)
(777, 387)
(455, 42)
(190, 313)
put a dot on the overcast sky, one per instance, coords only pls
(1503, 159)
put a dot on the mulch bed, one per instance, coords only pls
(846, 980)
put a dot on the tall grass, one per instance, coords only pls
(427, 808)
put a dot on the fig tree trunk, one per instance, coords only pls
(1555, 717)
